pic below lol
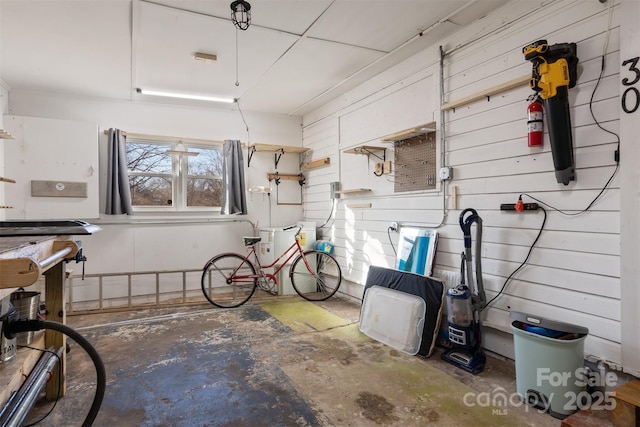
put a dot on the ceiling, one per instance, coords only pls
(295, 56)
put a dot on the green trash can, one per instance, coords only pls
(550, 373)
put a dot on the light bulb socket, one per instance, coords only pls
(241, 14)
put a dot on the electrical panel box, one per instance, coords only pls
(446, 173)
(335, 186)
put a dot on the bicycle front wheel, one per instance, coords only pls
(228, 280)
(315, 275)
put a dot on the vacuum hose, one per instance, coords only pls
(465, 225)
(26, 325)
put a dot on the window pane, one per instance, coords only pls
(150, 190)
(204, 192)
(148, 158)
(207, 162)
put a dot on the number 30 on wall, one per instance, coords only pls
(630, 103)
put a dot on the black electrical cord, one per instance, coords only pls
(25, 325)
(504, 285)
(391, 241)
(245, 122)
(333, 207)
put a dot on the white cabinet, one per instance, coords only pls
(274, 241)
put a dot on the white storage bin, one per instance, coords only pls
(394, 318)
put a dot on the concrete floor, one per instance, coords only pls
(272, 362)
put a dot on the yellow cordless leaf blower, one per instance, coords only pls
(554, 73)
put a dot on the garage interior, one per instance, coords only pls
(276, 361)
(460, 177)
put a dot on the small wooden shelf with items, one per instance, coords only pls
(278, 151)
(5, 135)
(368, 150)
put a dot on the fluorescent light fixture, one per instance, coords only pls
(185, 96)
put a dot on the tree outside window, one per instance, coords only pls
(164, 181)
(204, 178)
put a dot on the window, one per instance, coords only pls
(161, 181)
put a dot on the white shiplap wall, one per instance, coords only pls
(573, 274)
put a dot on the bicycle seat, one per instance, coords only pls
(250, 241)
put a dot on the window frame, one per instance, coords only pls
(179, 175)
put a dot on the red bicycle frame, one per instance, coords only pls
(298, 249)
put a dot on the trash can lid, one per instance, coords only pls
(547, 323)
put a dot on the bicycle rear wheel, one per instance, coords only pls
(225, 282)
(320, 280)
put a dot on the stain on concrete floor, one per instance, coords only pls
(280, 363)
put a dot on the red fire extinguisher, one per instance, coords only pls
(534, 122)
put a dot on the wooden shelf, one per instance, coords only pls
(5, 135)
(368, 149)
(286, 176)
(278, 151)
(411, 132)
(359, 206)
(268, 148)
(487, 93)
(353, 190)
(364, 149)
(317, 163)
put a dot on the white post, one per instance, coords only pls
(629, 180)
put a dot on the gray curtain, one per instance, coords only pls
(118, 192)
(234, 200)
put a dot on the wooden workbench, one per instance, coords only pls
(22, 261)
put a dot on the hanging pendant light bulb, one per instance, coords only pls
(241, 14)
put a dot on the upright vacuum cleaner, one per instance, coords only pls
(464, 303)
